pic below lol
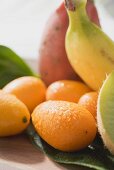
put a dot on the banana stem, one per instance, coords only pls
(71, 4)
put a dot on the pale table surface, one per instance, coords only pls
(17, 153)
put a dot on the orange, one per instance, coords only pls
(89, 101)
(64, 125)
(14, 115)
(66, 90)
(30, 90)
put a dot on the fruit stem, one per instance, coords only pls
(72, 4)
(76, 10)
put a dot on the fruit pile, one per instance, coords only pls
(71, 105)
(56, 114)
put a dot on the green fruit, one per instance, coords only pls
(105, 112)
(89, 49)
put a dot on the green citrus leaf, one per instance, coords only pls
(94, 157)
(12, 66)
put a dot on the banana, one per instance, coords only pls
(90, 51)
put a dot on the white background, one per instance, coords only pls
(22, 23)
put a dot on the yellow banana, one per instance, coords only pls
(89, 49)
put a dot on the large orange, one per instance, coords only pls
(14, 115)
(66, 90)
(30, 90)
(64, 125)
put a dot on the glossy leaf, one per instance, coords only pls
(11, 66)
